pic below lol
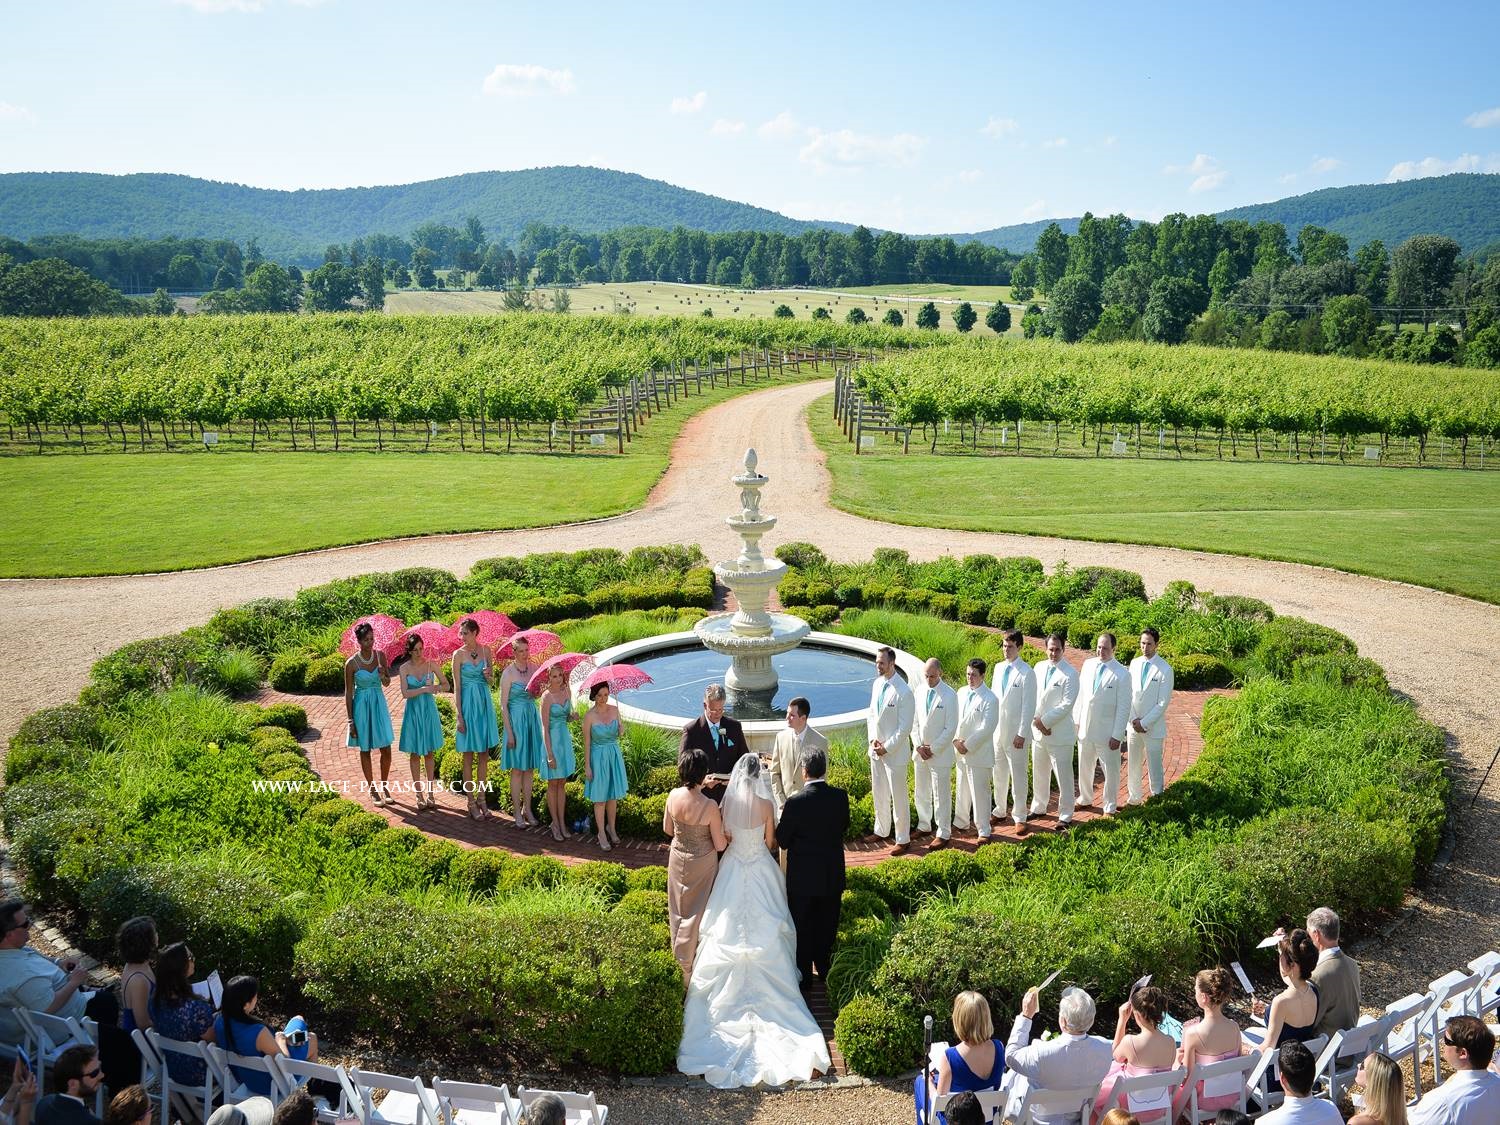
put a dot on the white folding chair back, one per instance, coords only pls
(1404, 1040)
(48, 1036)
(1147, 1096)
(473, 1103)
(1263, 1075)
(406, 1102)
(234, 1087)
(1220, 1079)
(1485, 999)
(1056, 1103)
(1450, 997)
(295, 1072)
(991, 1102)
(582, 1108)
(1338, 1062)
(191, 1102)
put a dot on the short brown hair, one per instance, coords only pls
(130, 1104)
(136, 939)
(692, 766)
(1469, 1034)
(972, 1021)
(1014, 636)
(72, 1063)
(298, 1109)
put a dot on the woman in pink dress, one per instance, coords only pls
(1213, 1037)
(1148, 1051)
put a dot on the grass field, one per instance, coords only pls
(67, 516)
(1432, 527)
(658, 298)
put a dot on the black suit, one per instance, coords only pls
(812, 833)
(730, 748)
(59, 1109)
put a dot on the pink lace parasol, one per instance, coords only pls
(567, 661)
(494, 627)
(439, 641)
(543, 645)
(387, 629)
(620, 677)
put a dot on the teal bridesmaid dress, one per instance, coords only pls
(526, 728)
(562, 744)
(607, 763)
(372, 718)
(421, 726)
(482, 729)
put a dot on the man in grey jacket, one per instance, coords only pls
(1336, 976)
(1073, 1060)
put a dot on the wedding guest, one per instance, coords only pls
(521, 728)
(1384, 1101)
(1118, 1116)
(1232, 1117)
(1336, 976)
(1148, 1051)
(1471, 1095)
(1052, 732)
(250, 1111)
(557, 742)
(136, 941)
(603, 764)
(549, 1109)
(786, 755)
(421, 725)
(365, 677)
(974, 746)
(693, 823)
(131, 1106)
(76, 1077)
(1298, 1069)
(1073, 1060)
(1210, 1038)
(1146, 737)
(477, 732)
(1292, 1015)
(976, 1062)
(720, 737)
(238, 1031)
(297, 1108)
(965, 1109)
(1101, 712)
(177, 1012)
(932, 744)
(1014, 685)
(811, 833)
(888, 726)
(19, 1104)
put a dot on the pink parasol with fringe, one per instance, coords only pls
(386, 628)
(542, 644)
(567, 661)
(619, 677)
(494, 627)
(439, 641)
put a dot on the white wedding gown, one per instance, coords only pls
(746, 1023)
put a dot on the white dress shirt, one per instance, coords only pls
(1304, 1111)
(1103, 708)
(1469, 1097)
(1065, 1063)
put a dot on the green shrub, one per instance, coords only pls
(821, 616)
(861, 947)
(1125, 583)
(285, 759)
(1340, 669)
(478, 871)
(256, 625)
(659, 779)
(331, 812)
(879, 1035)
(609, 879)
(1286, 639)
(37, 841)
(1032, 622)
(1236, 605)
(142, 666)
(861, 817)
(648, 904)
(652, 878)
(28, 759)
(266, 741)
(1082, 633)
(1003, 614)
(325, 675)
(1196, 672)
(434, 857)
(288, 716)
(972, 611)
(289, 672)
(640, 817)
(70, 723)
(803, 556)
(234, 671)
(861, 902)
(359, 828)
(531, 871)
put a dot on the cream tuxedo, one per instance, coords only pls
(786, 761)
(1150, 692)
(1056, 692)
(1014, 684)
(978, 711)
(1101, 714)
(890, 718)
(937, 722)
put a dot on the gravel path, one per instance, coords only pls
(1429, 643)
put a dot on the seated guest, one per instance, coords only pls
(136, 941)
(1118, 1116)
(131, 1106)
(251, 1111)
(1298, 1067)
(546, 1110)
(1148, 1051)
(76, 1076)
(298, 1109)
(19, 1103)
(1385, 1092)
(1471, 1096)
(237, 1030)
(1232, 1117)
(965, 1109)
(1210, 1038)
(1075, 1058)
(976, 1063)
(177, 1012)
(1336, 976)
(1293, 1012)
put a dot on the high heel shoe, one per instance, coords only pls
(614, 837)
(557, 833)
(604, 844)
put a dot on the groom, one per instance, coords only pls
(812, 834)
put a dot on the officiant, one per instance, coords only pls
(720, 737)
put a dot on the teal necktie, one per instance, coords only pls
(1145, 671)
(884, 687)
(1005, 679)
(931, 695)
(1047, 680)
(1098, 675)
(714, 730)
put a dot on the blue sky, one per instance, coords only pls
(921, 118)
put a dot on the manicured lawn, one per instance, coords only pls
(70, 515)
(1432, 527)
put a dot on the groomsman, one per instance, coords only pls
(889, 723)
(932, 738)
(786, 755)
(975, 745)
(1014, 684)
(1101, 713)
(1150, 692)
(1052, 732)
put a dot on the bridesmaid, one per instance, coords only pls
(603, 764)
(693, 822)
(477, 732)
(365, 675)
(421, 726)
(557, 706)
(523, 754)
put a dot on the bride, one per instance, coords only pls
(746, 1022)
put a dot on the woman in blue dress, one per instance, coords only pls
(477, 732)
(365, 677)
(975, 1063)
(603, 764)
(421, 725)
(523, 754)
(557, 740)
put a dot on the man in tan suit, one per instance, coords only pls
(786, 757)
(1336, 976)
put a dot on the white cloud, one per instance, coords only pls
(1036, 210)
(1110, 141)
(845, 148)
(1209, 181)
(998, 127)
(724, 127)
(1056, 142)
(692, 104)
(18, 114)
(524, 80)
(1205, 170)
(1435, 166)
(970, 176)
(1322, 165)
(1483, 119)
(781, 127)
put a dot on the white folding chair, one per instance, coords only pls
(1147, 1096)
(991, 1102)
(1451, 994)
(473, 1103)
(1268, 1097)
(1338, 1062)
(406, 1101)
(1056, 1103)
(233, 1084)
(1220, 1079)
(48, 1036)
(1404, 1039)
(191, 1102)
(296, 1072)
(582, 1108)
(1485, 999)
